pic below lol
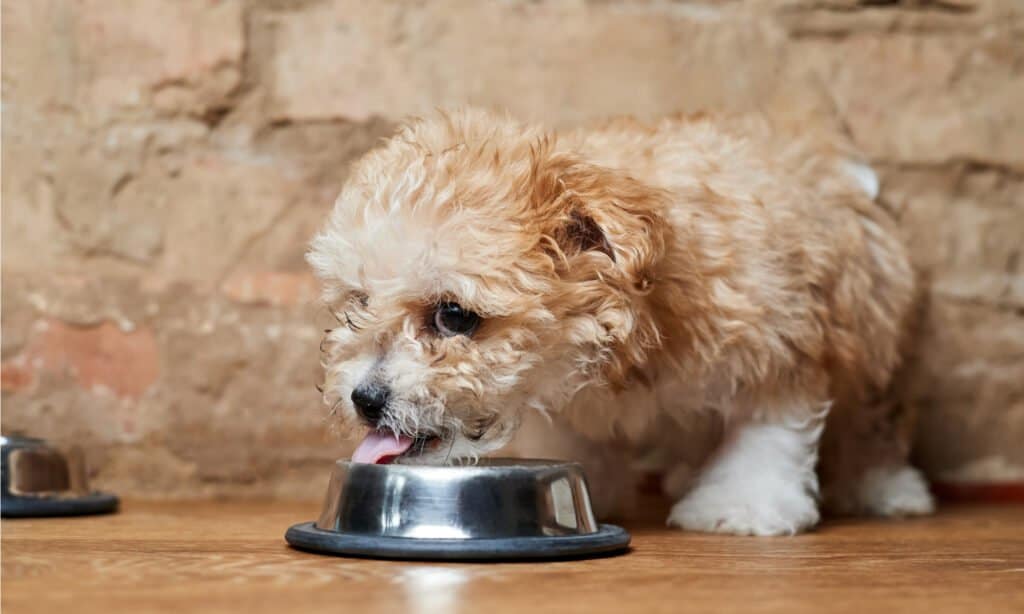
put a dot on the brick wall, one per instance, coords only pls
(165, 161)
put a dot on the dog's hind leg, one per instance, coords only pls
(864, 468)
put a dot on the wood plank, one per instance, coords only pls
(207, 556)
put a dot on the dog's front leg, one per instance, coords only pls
(760, 482)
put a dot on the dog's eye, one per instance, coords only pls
(452, 319)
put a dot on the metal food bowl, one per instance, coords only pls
(39, 479)
(496, 509)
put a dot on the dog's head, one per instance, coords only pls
(478, 270)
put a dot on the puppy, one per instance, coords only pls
(625, 277)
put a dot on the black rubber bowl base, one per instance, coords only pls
(38, 507)
(610, 539)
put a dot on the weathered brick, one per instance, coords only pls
(927, 99)
(963, 227)
(968, 386)
(178, 55)
(561, 62)
(271, 288)
(34, 236)
(219, 205)
(841, 18)
(38, 51)
(102, 359)
(234, 381)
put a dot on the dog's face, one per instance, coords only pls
(475, 273)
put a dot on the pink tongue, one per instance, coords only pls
(380, 445)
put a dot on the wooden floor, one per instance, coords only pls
(206, 557)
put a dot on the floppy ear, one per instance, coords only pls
(606, 235)
(603, 221)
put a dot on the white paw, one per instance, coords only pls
(895, 491)
(786, 509)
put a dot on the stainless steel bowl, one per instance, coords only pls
(40, 479)
(499, 508)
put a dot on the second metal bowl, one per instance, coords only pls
(499, 508)
(39, 479)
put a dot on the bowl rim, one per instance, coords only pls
(482, 466)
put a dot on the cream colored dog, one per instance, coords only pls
(625, 278)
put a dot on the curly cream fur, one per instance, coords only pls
(624, 273)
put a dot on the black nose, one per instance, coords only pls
(370, 401)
